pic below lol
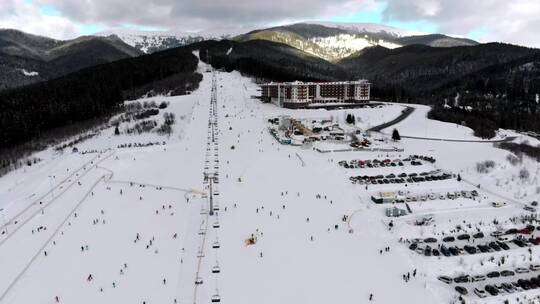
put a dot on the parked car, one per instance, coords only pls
(511, 231)
(413, 246)
(480, 293)
(534, 282)
(478, 235)
(517, 287)
(507, 273)
(470, 249)
(461, 290)
(522, 270)
(504, 239)
(496, 233)
(462, 279)
(491, 290)
(534, 267)
(519, 242)
(445, 251)
(448, 239)
(498, 204)
(524, 284)
(483, 248)
(454, 251)
(445, 279)
(494, 246)
(508, 287)
(493, 274)
(463, 237)
(503, 245)
(478, 278)
(430, 240)
(529, 208)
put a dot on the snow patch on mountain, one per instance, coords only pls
(152, 41)
(344, 45)
(29, 74)
(370, 28)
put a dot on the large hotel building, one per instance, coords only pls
(305, 94)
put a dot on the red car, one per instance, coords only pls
(524, 231)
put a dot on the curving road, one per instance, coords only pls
(509, 138)
(409, 110)
(404, 114)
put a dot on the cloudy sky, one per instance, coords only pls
(512, 21)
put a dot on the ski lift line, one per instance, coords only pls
(205, 216)
(53, 235)
(41, 207)
(88, 163)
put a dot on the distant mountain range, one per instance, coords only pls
(26, 58)
(327, 40)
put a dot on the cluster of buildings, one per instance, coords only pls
(299, 94)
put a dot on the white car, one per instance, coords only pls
(445, 279)
(496, 233)
(522, 270)
(478, 278)
(480, 293)
(498, 204)
(534, 267)
(503, 238)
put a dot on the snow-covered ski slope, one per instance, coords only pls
(131, 217)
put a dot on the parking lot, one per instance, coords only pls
(479, 242)
(504, 281)
(413, 160)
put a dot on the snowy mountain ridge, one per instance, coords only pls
(152, 41)
(331, 41)
(372, 28)
(344, 45)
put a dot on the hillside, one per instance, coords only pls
(420, 68)
(27, 59)
(329, 43)
(268, 60)
(436, 40)
(30, 111)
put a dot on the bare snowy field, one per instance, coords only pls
(123, 225)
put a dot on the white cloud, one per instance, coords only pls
(24, 16)
(513, 21)
(200, 14)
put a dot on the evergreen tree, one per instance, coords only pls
(395, 135)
